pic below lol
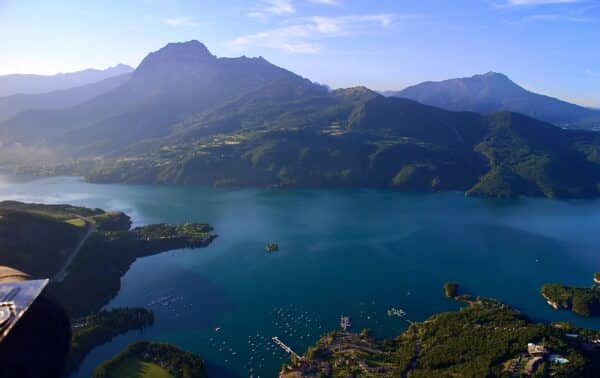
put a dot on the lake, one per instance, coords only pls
(355, 252)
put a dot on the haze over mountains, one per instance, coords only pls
(31, 84)
(187, 117)
(493, 92)
(12, 105)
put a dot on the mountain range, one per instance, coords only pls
(32, 84)
(187, 117)
(177, 81)
(494, 92)
(12, 105)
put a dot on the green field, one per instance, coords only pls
(79, 222)
(135, 367)
(155, 360)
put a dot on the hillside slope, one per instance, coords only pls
(355, 137)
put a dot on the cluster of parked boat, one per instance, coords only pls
(259, 352)
(396, 312)
(293, 323)
(167, 300)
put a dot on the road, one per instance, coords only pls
(62, 273)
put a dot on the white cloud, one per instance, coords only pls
(539, 2)
(292, 39)
(185, 21)
(279, 7)
(557, 17)
(268, 8)
(326, 2)
(304, 36)
(272, 7)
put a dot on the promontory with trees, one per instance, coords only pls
(582, 301)
(99, 328)
(41, 239)
(155, 360)
(451, 289)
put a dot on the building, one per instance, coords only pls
(537, 350)
(345, 322)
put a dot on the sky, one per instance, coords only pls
(549, 46)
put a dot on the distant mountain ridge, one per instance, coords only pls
(187, 117)
(493, 92)
(10, 106)
(35, 84)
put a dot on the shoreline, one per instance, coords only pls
(26, 178)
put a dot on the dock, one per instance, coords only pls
(345, 322)
(286, 348)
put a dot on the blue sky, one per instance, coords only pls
(550, 46)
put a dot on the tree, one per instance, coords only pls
(581, 306)
(451, 289)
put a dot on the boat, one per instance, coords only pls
(396, 312)
(272, 247)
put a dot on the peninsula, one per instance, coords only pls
(581, 300)
(68, 244)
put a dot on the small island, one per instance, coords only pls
(597, 278)
(146, 359)
(272, 247)
(581, 300)
(485, 338)
(99, 328)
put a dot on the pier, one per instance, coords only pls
(286, 348)
(345, 322)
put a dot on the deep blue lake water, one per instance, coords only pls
(352, 252)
